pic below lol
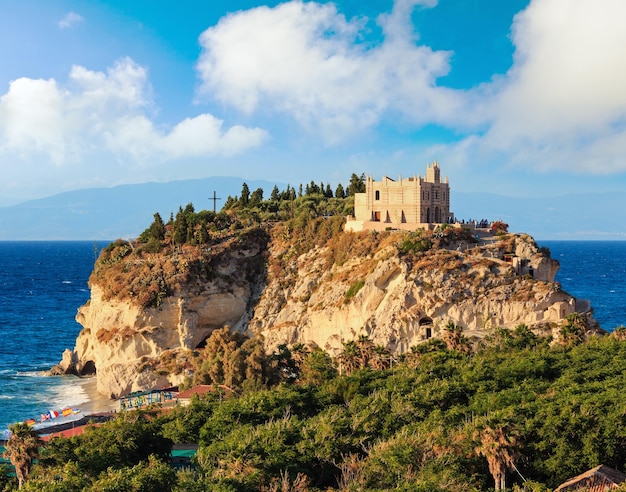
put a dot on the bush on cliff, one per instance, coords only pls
(439, 420)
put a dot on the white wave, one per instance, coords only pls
(30, 374)
(66, 282)
(70, 393)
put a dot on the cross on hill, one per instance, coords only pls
(215, 199)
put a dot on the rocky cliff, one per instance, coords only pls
(149, 310)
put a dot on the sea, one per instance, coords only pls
(42, 285)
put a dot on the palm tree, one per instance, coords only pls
(455, 340)
(573, 333)
(21, 449)
(365, 346)
(498, 447)
(349, 358)
(381, 358)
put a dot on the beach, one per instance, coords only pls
(96, 402)
(83, 398)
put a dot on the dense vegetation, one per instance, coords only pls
(185, 250)
(439, 418)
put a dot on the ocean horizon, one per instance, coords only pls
(43, 283)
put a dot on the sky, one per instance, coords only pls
(521, 98)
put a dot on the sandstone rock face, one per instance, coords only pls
(117, 336)
(122, 342)
(397, 300)
(400, 304)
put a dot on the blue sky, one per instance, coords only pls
(521, 98)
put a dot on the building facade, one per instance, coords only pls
(408, 203)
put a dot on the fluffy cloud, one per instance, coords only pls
(32, 119)
(70, 20)
(192, 137)
(562, 105)
(305, 60)
(106, 112)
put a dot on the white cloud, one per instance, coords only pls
(303, 59)
(125, 84)
(192, 137)
(562, 105)
(70, 20)
(100, 121)
(32, 119)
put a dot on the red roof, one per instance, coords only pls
(74, 431)
(202, 389)
(597, 479)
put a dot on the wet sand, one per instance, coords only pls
(96, 403)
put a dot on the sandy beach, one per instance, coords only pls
(96, 402)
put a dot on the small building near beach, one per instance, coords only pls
(144, 398)
(184, 397)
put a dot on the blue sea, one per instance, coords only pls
(594, 270)
(42, 284)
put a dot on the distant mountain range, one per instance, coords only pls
(580, 216)
(125, 211)
(119, 212)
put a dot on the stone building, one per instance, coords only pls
(408, 203)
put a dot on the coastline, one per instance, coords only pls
(96, 402)
(92, 406)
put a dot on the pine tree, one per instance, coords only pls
(245, 195)
(157, 229)
(357, 184)
(275, 195)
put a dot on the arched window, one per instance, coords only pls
(425, 321)
(377, 195)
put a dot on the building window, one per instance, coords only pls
(377, 195)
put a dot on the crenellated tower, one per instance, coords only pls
(405, 203)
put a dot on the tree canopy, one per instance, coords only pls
(436, 418)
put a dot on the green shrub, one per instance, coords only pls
(354, 289)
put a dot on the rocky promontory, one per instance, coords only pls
(152, 308)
